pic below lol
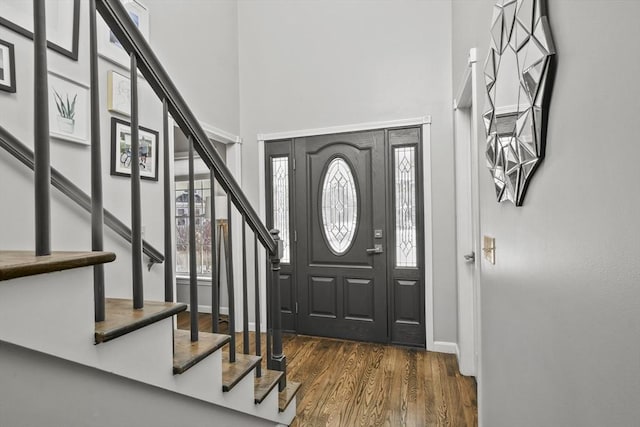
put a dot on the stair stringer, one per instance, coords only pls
(53, 314)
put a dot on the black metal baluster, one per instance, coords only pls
(168, 197)
(230, 290)
(136, 204)
(245, 293)
(193, 273)
(257, 304)
(42, 169)
(215, 268)
(279, 360)
(97, 212)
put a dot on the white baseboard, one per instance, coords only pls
(207, 309)
(445, 347)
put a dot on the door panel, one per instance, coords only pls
(342, 287)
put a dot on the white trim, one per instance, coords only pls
(445, 347)
(262, 256)
(215, 133)
(428, 237)
(345, 128)
(220, 135)
(207, 309)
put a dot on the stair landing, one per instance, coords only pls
(14, 264)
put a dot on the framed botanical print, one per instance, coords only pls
(68, 109)
(121, 150)
(7, 67)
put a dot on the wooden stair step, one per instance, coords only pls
(14, 264)
(187, 353)
(266, 383)
(232, 373)
(286, 396)
(121, 318)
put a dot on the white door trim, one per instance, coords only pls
(425, 122)
(466, 135)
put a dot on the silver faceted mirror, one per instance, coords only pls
(518, 79)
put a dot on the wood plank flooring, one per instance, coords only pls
(348, 383)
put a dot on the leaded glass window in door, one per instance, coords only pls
(280, 197)
(406, 236)
(339, 206)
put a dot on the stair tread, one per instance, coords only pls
(286, 396)
(187, 353)
(121, 318)
(266, 383)
(14, 264)
(232, 373)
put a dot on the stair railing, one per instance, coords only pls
(144, 60)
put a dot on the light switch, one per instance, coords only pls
(489, 249)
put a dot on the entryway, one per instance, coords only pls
(349, 208)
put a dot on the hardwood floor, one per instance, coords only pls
(348, 383)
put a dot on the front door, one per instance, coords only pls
(348, 207)
(341, 213)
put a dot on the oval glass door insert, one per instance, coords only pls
(339, 206)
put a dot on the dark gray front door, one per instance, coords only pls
(349, 210)
(341, 214)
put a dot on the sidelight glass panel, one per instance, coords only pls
(339, 206)
(280, 197)
(405, 206)
(203, 226)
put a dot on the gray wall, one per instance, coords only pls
(39, 390)
(312, 64)
(561, 307)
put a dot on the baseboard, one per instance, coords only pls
(207, 309)
(445, 347)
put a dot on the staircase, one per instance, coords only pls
(54, 305)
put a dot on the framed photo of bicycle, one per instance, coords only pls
(121, 150)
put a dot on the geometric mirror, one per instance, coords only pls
(518, 77)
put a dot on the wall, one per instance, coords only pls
(216, 52)
(53, 386)
(317, 64)
(561, 307)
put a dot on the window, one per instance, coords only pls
(406, 237)
(280, 197)
(202, 201)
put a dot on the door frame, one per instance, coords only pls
(466, 136)
(425, 123)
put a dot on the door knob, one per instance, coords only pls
(470, 257)
(377, 249)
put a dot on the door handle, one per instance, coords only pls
(377, 249)
(470, 257)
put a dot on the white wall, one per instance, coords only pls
(40, 390)
(306, 64)
(561, 307)
(197, 41)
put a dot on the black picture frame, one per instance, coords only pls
(70, 52)
(9, 86)
(121, 157)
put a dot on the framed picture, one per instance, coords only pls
(121, 150)
(63, 23)
(108, 45)
(118, 93)
(7, 67)
(68, 109)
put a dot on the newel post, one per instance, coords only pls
(278, 360)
